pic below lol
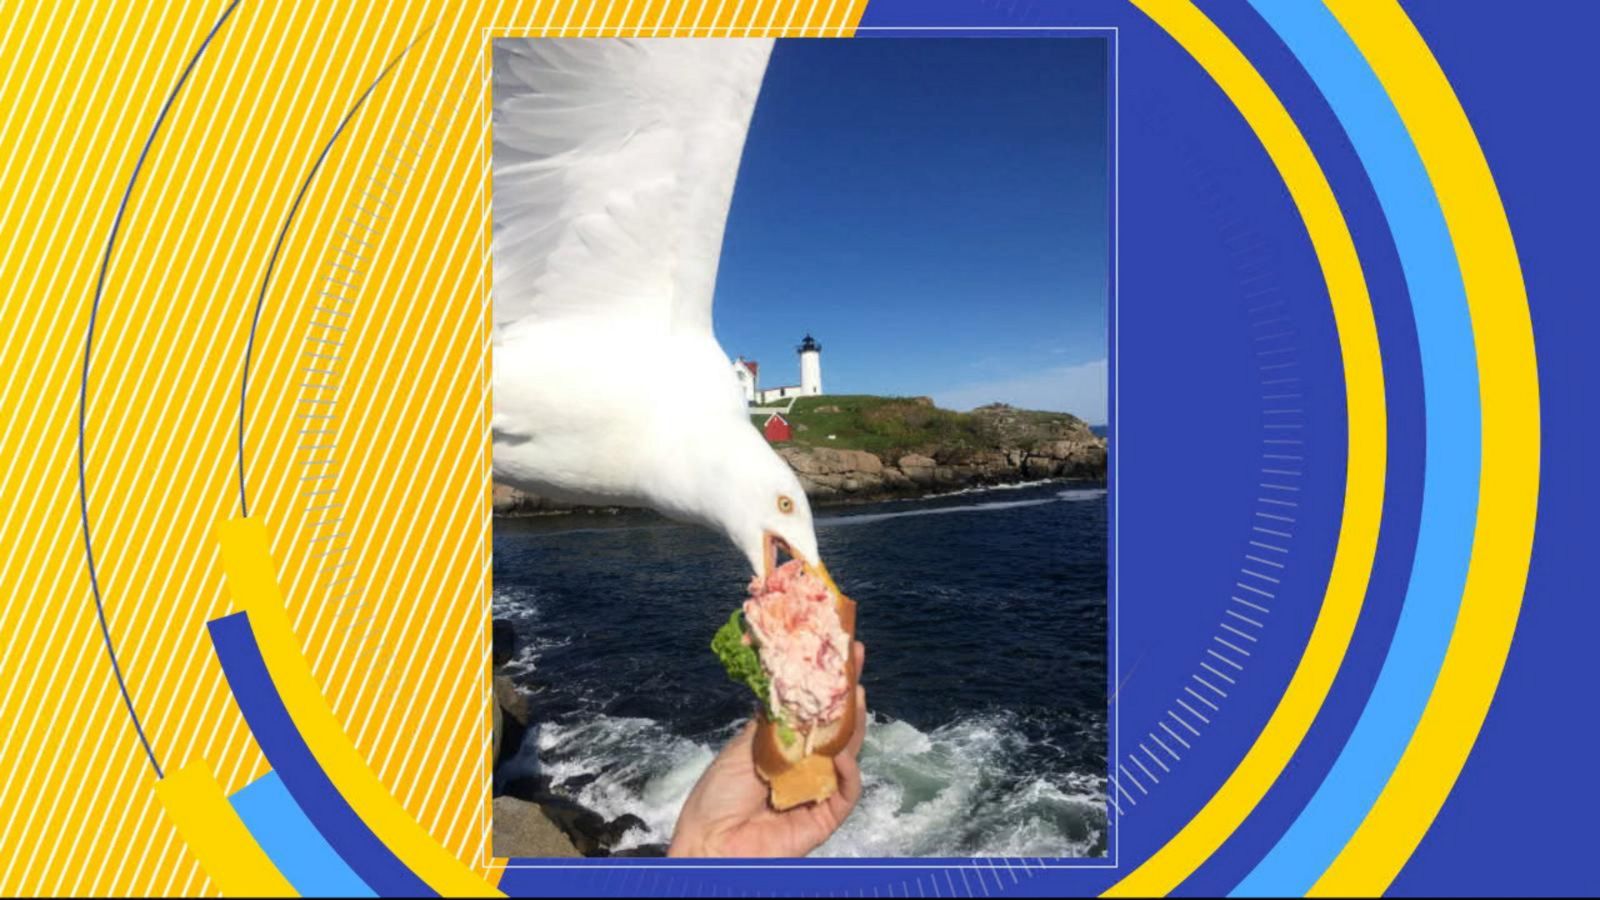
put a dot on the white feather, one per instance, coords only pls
(614, 167)
(614, 164)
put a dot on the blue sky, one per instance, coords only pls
(935, 212)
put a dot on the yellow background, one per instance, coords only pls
(397, 634)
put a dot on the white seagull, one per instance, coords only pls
(614, 165)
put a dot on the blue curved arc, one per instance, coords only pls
(303, 777)
(83, 387)
(1452, 456)
(293, 844)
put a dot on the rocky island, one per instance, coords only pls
(861, 448)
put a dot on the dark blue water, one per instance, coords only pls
(984, 617)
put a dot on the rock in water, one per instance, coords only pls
(620, 826)
(513, 720)
(583, 826)
(505, 642)
(513, 701)
(521, 829)
(532, 788)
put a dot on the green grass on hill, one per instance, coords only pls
(892, 426)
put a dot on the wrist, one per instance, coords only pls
(698, 843)
(685, 846)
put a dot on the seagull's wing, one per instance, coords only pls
(614, 163)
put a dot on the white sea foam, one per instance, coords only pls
(965, 789)
(951, 791)
(838, 521)
(1074, 495)
(956, 791)
(520, 607)
(979, 489)
(643, 769)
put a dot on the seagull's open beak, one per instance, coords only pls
(775, 551)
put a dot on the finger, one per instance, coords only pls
(745, 735)
(853, 747)
(849, 781)
(858, 655)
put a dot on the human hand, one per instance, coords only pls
(727, 813)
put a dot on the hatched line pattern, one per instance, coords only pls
(410, 444)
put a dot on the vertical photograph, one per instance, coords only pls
(801, 396)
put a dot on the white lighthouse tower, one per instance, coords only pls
(810, 367)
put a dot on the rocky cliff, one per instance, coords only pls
(906, 447)
(830, 475)
(535, 815)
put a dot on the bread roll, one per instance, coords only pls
(803, 771)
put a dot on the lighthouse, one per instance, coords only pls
(810, 367)
(810, 352)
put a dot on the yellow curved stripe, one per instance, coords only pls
(80, 86)
(247, 559)
(1364, 475)
(1508, 381)
(216, 835)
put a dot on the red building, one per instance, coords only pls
(776, 428)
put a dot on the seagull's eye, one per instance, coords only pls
(785, 504)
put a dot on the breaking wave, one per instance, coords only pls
(963, 789)
(999, 751)
(1071, 495)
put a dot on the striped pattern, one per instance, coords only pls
(400, 648)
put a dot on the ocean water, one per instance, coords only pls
(984, 617)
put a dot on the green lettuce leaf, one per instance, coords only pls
(741, 661)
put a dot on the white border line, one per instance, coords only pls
(1114, 423)
(487, 35)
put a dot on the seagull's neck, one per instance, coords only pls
(698, 478)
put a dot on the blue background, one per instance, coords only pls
(1208, 234)
(893, 195)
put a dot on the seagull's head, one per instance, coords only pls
(749, 493)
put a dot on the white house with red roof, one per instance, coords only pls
(747, 371)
